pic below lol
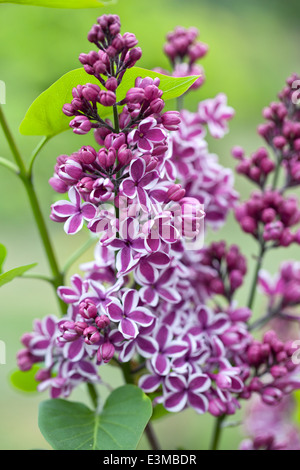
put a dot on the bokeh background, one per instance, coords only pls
(254, 46)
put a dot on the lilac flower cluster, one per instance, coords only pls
(127, 195)
(145, 298)
(224, 269)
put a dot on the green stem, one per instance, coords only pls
(9, 165)
(261, 322)
(255, 277)
(217, 433)
(271, 313)
(35, 207)
(93, 394)
(36, 152)
(153, 441)
(116, 119)
(77, 254)
(12, 144)
(41, 277)
(126, 371)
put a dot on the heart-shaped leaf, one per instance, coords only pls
(3, 253)
(73, 426)
(16, 272)
(45, 116)
(61, 3)
(25, 380)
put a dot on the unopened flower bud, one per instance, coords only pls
(105, 352)
(175, 192)
(86, 155)
(271, 395)
(81, 125)
(130, 40)
(111, 84)
(124, 155)
(80, 326)
(102, 321)
(92, 335)
(107, 98)
(88, 309)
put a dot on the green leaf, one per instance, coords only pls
(297, 406)
(25, 381)
(45, 116)
(73, 426)
(16, 272)
(3, 253)
(61, 3)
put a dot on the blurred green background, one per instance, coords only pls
(254, 46)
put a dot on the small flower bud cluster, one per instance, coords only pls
(282, 130)
(256, 168)
(229, 265)
(270, 215)
(182, 42)
(59, 373)
(92, 172)
(90, 327)
(272, 359)
(184, 50)
(144, 100)
(116, 54)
